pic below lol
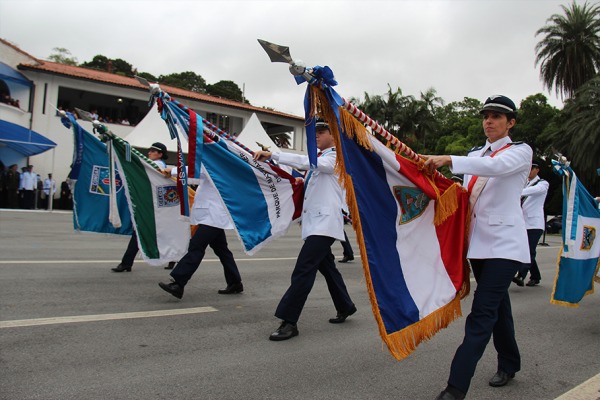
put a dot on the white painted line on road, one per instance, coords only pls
(103, 317)
(118, 261)
(588, 390)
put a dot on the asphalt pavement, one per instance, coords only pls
(72, 329)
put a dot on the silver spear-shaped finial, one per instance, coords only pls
(278, 53)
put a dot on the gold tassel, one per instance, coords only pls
(446, 205)
(402, 343)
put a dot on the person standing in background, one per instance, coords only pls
(28, 186)
(13, 180)
(49, 190)
(532, 203)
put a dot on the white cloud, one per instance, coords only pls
(460, 48)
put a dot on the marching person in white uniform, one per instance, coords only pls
(210, 215)
(532, 203)
(322, 224)
(157, 153)
(494, 175)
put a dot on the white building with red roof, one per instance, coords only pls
(121, 102)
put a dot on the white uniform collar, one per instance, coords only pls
(327, 150)
(498, 144)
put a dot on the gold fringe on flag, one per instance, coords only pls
(401, 343)
(404, 342)
(564, 303)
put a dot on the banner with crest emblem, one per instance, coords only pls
(413, 251)
(578, 263)
(91, 185)
(163, 235)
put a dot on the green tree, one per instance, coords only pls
(387, 111)
(569, 53)
(226, 89)
(185, 80)
(115, 66)
(425, 122)
(122, 67)
(62, 56)
(534, 117)
(147, 76)
(460, 127)
(578, 133)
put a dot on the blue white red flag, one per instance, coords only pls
(411, 228)
(413, 257)
(261, 198)
(579, 259)
(90, 174)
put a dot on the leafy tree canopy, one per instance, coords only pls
(226, 89)
(534, 117)
(62, 56)
(185, 80)
(148, 76)
(115, 66)
(569, 53)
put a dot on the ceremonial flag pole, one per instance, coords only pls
(298, 68)
(162, 234)
(106, 134)
(413, 254)
(261, 198)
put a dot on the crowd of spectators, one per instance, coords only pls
(28, 190)
(6, 99)
(102, 119)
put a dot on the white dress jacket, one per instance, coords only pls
(323, 201)
(533, 206)
(497, 226)
(208, 208)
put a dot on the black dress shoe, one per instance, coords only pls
(533, 282)
(341, 317)
(447, 395)
(518, 280)
(345, 259)
(171, 265)
(121, 268)
(285, 331)
(501, 378)
(172, 287)
(232, 289)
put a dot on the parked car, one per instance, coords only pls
(554, 224)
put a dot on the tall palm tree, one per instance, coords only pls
(579, 134)
(569, 53)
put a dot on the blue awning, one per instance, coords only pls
(23, 140)
(8, 73)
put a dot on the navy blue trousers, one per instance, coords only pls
(348, 252)
(314, 256)
(533, 237)
(490, 313)
(131, 252)
(203, 237)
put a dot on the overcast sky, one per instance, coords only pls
(460, 48)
